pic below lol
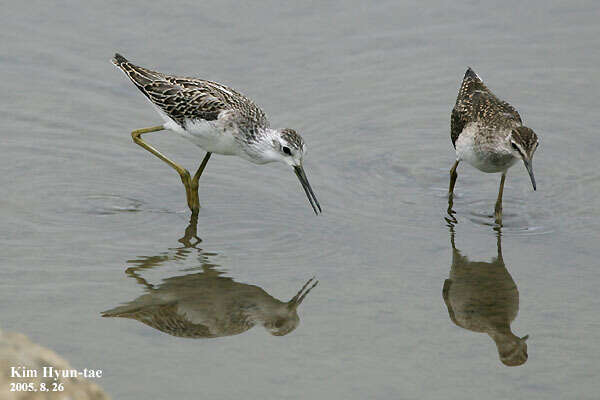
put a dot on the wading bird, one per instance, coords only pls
(488, 134)
(219, 120)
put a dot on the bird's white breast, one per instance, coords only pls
(485, 157)
(211, 136)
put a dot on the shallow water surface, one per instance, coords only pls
(92, 222)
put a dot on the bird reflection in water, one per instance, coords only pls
(206, 304)
(483, 297)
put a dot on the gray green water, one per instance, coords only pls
(370, 87)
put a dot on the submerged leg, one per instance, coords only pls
(132, 272)
(453, 176)
(190, 238)
(183, 173)
(499, 245)
(498, 209)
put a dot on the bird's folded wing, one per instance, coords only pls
(182, 98)
(457, 123)
(179, 98)
(181, 104)
(482, 106)
(509, 111)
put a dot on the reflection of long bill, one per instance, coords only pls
(307, 189)
(297, 299)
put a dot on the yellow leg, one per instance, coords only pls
(191, 195)
(498, 209)
(194, 183)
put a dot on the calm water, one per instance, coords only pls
(91, 221)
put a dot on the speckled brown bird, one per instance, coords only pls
(488, 133)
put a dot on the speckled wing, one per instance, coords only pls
(457, 123)
(476, 103)
(163, 317)
(183, 98)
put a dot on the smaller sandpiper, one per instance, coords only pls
(488, 134)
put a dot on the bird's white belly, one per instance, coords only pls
(482, 159)
(211, 136)
(477, 159)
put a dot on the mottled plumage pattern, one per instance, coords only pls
(167, 319)
(184, 99)
(476, 103)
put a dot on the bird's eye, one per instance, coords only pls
(287, 150)
(514, 146)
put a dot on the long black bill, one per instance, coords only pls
(307, 189)
(529, 166)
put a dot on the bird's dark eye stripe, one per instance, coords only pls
(514, 146)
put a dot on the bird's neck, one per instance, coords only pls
(257, 147)
(263, 308)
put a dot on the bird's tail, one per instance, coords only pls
(139, 76)
(471, 83)
(123, 311)
(469, 74)
(119, 60)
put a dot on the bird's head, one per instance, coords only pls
(289, 147)
(286, 318)
(286, 146)
(523, 142)
(513, 352)
(283, 324)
